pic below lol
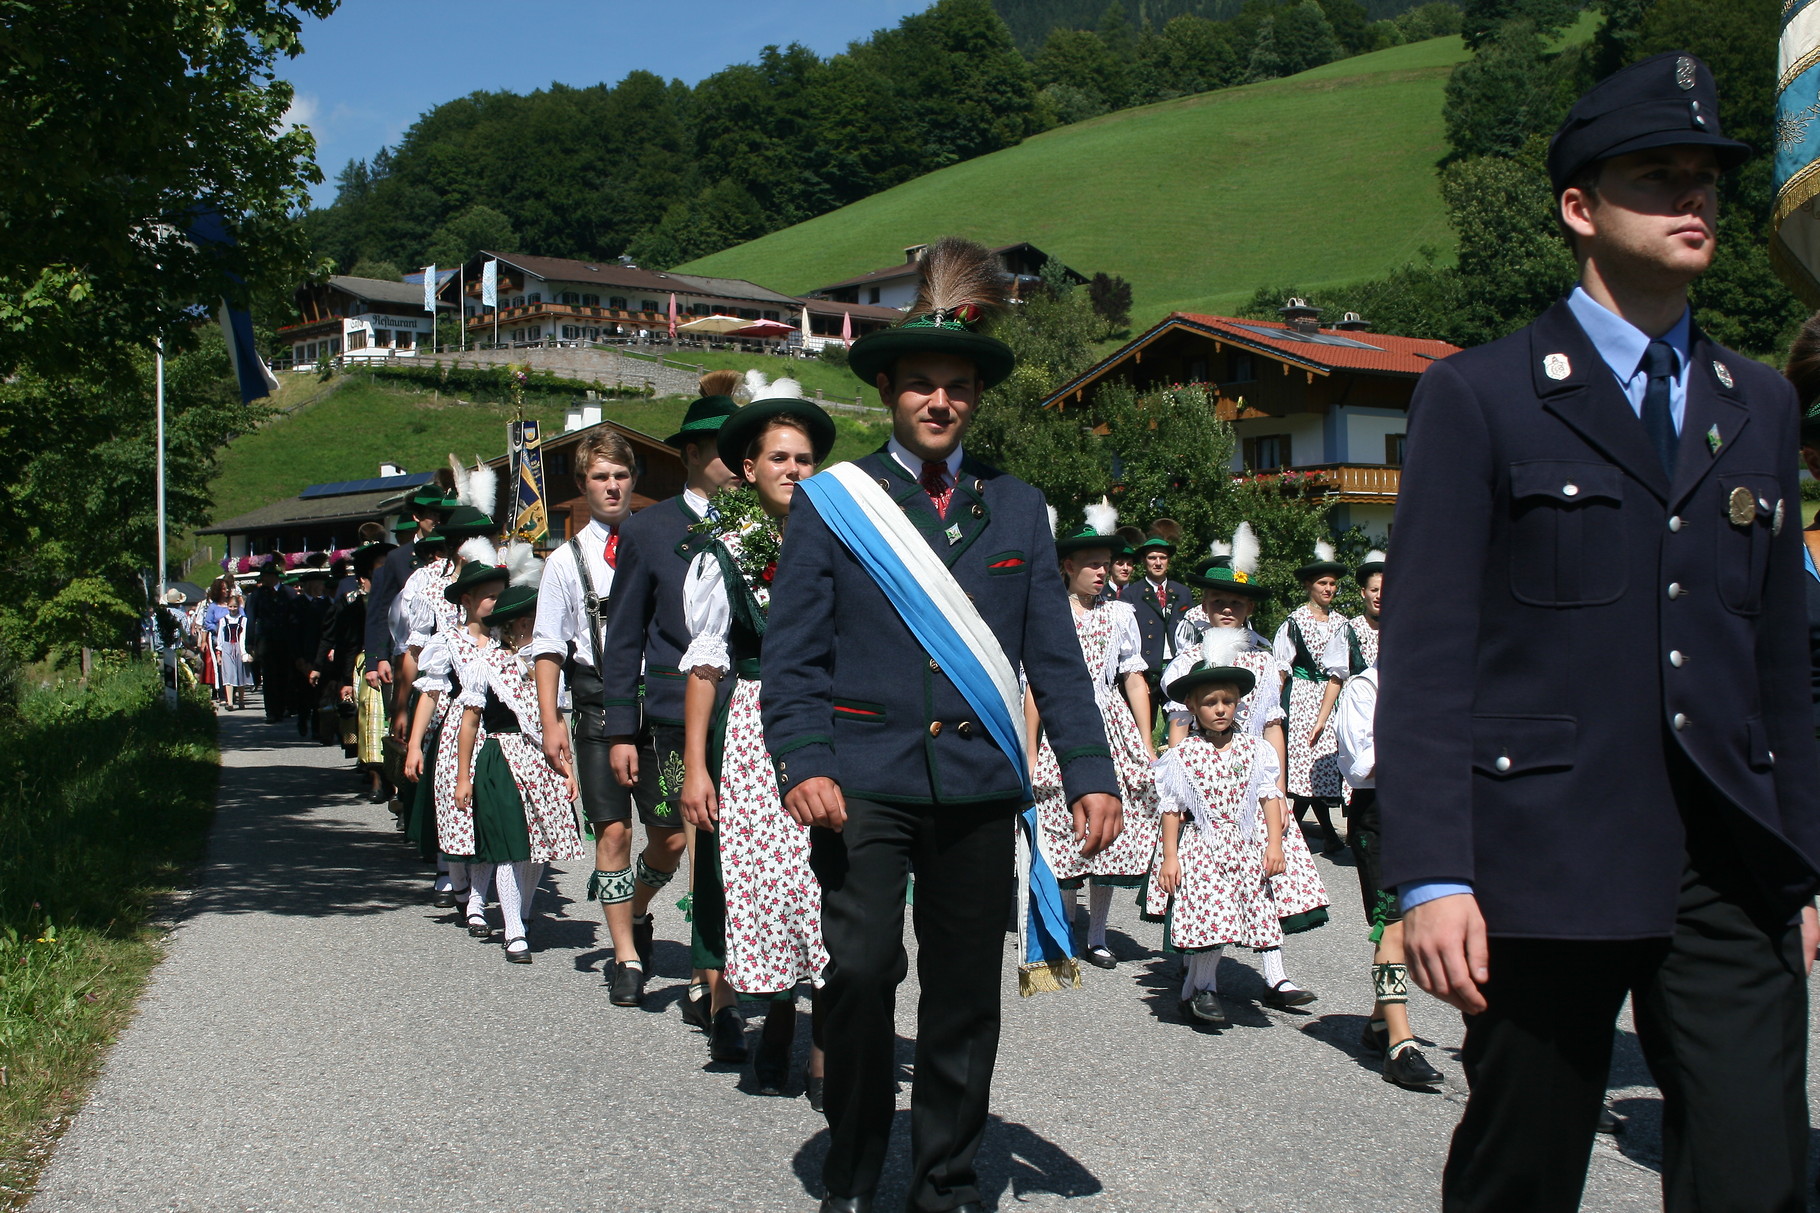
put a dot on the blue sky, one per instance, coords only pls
(370, 69)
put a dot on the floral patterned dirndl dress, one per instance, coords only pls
(1111, 644)
(426, 608)
(1223, 897)
(522, 807)
(1299, 890)
(1313, 769)
(773, 900)
(454, 824)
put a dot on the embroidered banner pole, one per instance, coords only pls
(1794, 245)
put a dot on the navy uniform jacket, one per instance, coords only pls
(850, 694)
(1564, 614)
(387, 583)
(1155, 624)
(646, 620)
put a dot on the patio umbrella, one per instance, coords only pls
(715, 324)
(764, 328)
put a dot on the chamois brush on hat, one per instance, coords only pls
(1324, 564)
(705, 413)
(1099, 532)
(962, 289)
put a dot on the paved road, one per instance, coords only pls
(320, 1038)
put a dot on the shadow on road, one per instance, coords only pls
(1012, 1156)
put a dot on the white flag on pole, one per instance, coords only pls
(429, 289)
(489, 284)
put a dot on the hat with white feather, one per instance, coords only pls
(1373, 563)
(524, 572)
(1220, 650)
(481, 564)
(1100, 532)
(770, 401)
(1234, 569)
(1324, 564)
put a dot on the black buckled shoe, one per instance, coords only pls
(448, 899)
(1100, 958)
(478, 926)
(727, 1038)
(1284, 994)
(814, 1093)
(628, 986)
(520, 955)
(1408, 1068)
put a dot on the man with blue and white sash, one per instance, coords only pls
(892, 734)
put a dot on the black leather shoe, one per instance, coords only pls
(628, 986)
(1100, 958)
(1205, 1006)
(478, 927)
(1284, 995)
(644, 936)
(1373, 1038)
(695, 1004)
(846, 1204)
(520, 955)
(1410, 1069)
(727, 1038)
(445, 900)
(814, 1093)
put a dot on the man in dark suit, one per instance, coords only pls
(640, 711)
(428, 506)
(1596, 767)
(878, 750)
(1160, 602)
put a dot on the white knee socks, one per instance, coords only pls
(1274, 973)
(1203, 970)
(1099, 908)
(511, 914)
(480, 876)
(530, 875)
(446, 878)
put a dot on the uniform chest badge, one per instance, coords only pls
(1556, 366)
(1724, 373)
(954, 534)
(1713, 441)
(1741, 507)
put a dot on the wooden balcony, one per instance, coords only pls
(571, 312)
(1349, 483)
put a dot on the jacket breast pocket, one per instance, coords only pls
(1748, 501)
(1508, 746)
(1567, 533)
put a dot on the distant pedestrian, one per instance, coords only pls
(230, 647)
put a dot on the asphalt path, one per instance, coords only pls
(320, 1037)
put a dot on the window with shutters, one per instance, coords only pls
(1267, 452)
(1393, 450)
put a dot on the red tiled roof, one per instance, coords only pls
(1383, 353)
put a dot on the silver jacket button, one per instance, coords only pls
(1503, 762)
(1570, 490)
(1680, 721)
(1674, 589)
(1675, 658)
(1674, 524)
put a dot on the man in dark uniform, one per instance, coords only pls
(309, 612)
(1159, 603)
(644, 644)
(269, 636)
(878, 750)
(1595, 762)
(428, 506)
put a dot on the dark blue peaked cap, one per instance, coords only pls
(1663, 101)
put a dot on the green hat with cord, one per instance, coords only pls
(464, 522)
(962, 287)
(473, 573)
(1324, 564)
(739, 431)
(703, 418)
(514, 602)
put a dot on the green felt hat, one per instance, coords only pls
(876, 353)
(1238, 675)
(702, 420)
(738, 431)
(473, 573)
(1156, 543)
(463, 522)
(369, 554)
(432, 497)
(1087, 539)
(1217, 573)
(515, 601)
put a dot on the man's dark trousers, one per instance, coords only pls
(963, 857)
(1717, 1006)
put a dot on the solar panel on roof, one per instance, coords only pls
(1309, 338)
(341, 488)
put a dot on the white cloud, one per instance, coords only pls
(303, 110)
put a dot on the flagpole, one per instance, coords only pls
(158, 363)
(461, 292)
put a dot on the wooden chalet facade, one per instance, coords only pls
(356, 318)
(1300, 397)
(895, 286)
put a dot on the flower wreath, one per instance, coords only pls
(759, 540)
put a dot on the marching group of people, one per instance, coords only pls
(813, 684)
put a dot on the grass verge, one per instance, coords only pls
(113, 794)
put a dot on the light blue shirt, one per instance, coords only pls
(1621, 345)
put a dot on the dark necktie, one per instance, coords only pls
(935, 483)
(1658, 421)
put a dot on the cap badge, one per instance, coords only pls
(1724, 373)
(1741, 507)
(1684, 72)
(1556, 366)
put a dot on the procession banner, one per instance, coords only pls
(1795, 228)
(530, 519)
(489, 284)
(429, 289)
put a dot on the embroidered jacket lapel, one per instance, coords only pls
(1587, 397)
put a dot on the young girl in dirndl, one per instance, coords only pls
(1313, 773)
(1111, 645)
(1222, 833)
(232, 672)
(1229, 595)
(523, 810)
(773, 901)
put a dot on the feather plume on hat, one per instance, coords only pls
(721, 383)
(1375, 556)
(777, 389)
(1166, 529)
(1053, 520)
(1323, 551)
(1103, 516)
(522, 565)
(961, 281)
(1222, 646)
(458, 473)
(1219, 547)
(479, 549)
(483, 487)
(1245, 550)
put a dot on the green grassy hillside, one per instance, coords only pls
(347, 433)
(1322, 178)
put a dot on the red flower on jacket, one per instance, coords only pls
(770, 572)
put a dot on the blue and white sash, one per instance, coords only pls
(947, 624)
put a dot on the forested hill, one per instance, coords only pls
(1032, 21)
(667, 172)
